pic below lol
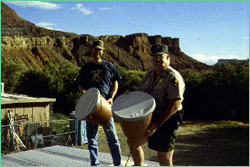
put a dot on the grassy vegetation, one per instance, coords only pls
(232, 129)
(59, 116)
(59, 126)
(215, 124)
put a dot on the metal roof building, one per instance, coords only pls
(36, 108)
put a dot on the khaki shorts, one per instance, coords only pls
(164, 138)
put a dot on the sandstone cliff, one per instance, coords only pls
(33, 46)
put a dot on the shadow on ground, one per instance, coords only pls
(198, 144)
(212, 147)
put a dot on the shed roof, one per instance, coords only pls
(19, 98)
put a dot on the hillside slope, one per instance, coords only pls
(30, 45)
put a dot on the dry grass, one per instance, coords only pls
(194, 129)
(214, 124)
(103, 144)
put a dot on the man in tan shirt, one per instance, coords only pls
(166, 85)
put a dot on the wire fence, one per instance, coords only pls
(31, 135)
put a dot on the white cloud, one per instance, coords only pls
(35, 4)
(210, 60)
(46, 25)
(82, 9)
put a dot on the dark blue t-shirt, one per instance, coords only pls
(100, 76)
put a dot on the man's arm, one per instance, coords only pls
(170, 110)
(113, 92)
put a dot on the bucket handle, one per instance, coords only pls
(101, 103)
(90, 116)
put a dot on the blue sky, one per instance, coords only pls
(208, 30)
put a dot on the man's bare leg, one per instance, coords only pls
(136, 150)
(166, 158)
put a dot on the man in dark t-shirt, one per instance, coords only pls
(100, 76)
(104, 76)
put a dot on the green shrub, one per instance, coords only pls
(10, 73)
(59, 116)
(221, 94)
(54, 82)
(131, 79)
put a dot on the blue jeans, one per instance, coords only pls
(113, 142)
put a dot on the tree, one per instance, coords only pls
(217, 95)
(10, 73)
(131, 79)
(54, 82)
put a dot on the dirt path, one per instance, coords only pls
(213, 144)
(220, 143)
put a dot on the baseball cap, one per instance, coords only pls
(99, 44)
(159, 49)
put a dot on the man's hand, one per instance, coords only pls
(153, 126)
(110, 101)
(126, 92)
(81, 89)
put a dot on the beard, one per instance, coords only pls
(97, 56)
(161, 64)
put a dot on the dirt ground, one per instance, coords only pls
(220, 143)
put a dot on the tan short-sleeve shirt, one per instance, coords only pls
(168, 86)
